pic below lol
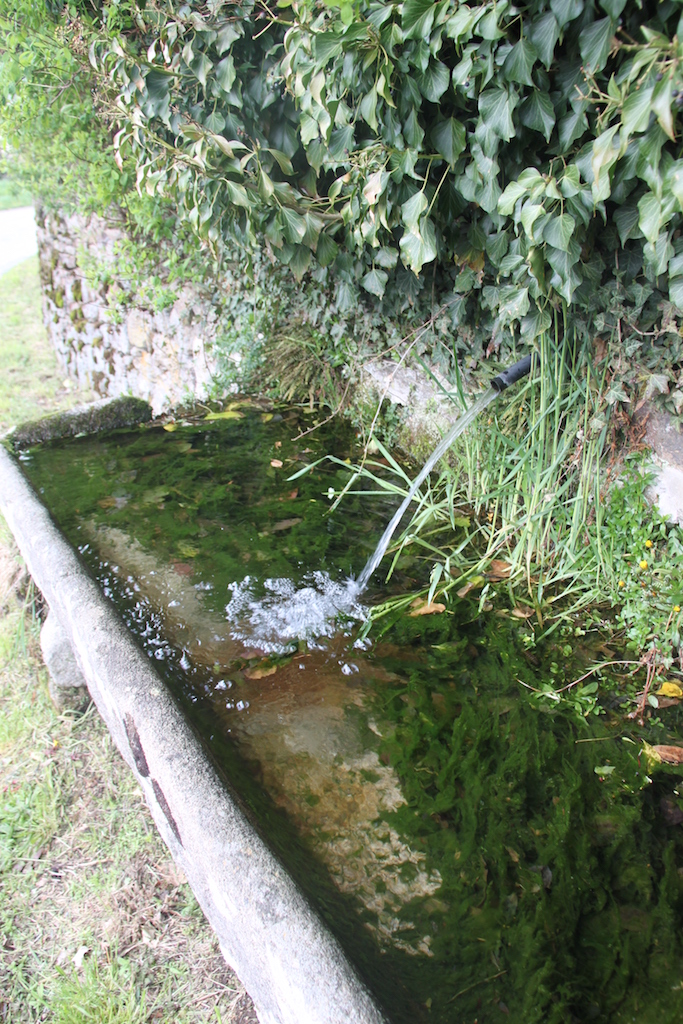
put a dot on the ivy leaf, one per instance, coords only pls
(613, 7)
(375, 281)
(626, 218)
(594, 43)
(434, 82)
(514, 191)
(417, 18)
(215, 122)
(449, 139)
(308, 128)
(635, 114)
(326, 251)
(519, 62)
(341, 143)
(293, 224)
(158, 85)
(225, 73)
(537, 112)
(544, 33)
(661, 105)
(559, 230)
(650, 216)
(530, 214)
(566, 10)
(200, 67)
(238, 194)
(412, 132)
(300, 261)
(675, 181)
(536, 322)
(513, 304)
(604, 155)
(326, 46)
(226, 36)
(368, 108)
(676, 291)
(571, 127)
(283, 161)
(495, 108)
(412, 210)
(419, 246)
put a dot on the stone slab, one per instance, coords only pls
(294, 970)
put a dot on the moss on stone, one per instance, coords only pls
(110, 414)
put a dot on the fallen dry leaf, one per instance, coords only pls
(260, 672)
(285, 524)
(183, 568)
(522, 613)
(663, 752)
(433, 608)
(498, 570)
(276, 463)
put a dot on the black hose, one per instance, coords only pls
(512, 374)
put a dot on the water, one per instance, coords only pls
(456, 430)
(478, 855)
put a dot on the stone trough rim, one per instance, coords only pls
(292, 966)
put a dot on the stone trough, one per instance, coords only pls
(293, 968)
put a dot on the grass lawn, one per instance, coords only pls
(11, 196)
(96, 923)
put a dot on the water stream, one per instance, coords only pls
(479, 855)
(461, 424)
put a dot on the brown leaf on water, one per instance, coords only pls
(472, 584)
(260, 671)
(433, 608)
(670, 755)
(285, 524)
(498, 570)
(522, 613)
(183, 568)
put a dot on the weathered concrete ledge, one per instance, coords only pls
(106, 414)
(294, 970)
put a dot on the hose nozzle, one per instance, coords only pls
(512, 373)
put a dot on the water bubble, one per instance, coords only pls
(280, 611)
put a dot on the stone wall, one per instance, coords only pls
(163, 357)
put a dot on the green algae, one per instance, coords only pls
(559, 860)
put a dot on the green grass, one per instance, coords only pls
(31, 381)
(82, 867)
(12, 196)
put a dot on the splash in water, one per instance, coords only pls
(288, 612)
(458, 427)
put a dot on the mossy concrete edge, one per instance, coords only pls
(293, 968)
(106, 414)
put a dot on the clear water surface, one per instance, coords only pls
(481, 860)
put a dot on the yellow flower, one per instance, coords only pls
(642, 564)
(621, 583)
(648, 543)
(677, 607)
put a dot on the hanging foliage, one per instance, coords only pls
(530, 152)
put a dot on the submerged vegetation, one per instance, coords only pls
(532, 865)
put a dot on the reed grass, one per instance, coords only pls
(522, 490)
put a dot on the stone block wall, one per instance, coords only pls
(163, 357)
